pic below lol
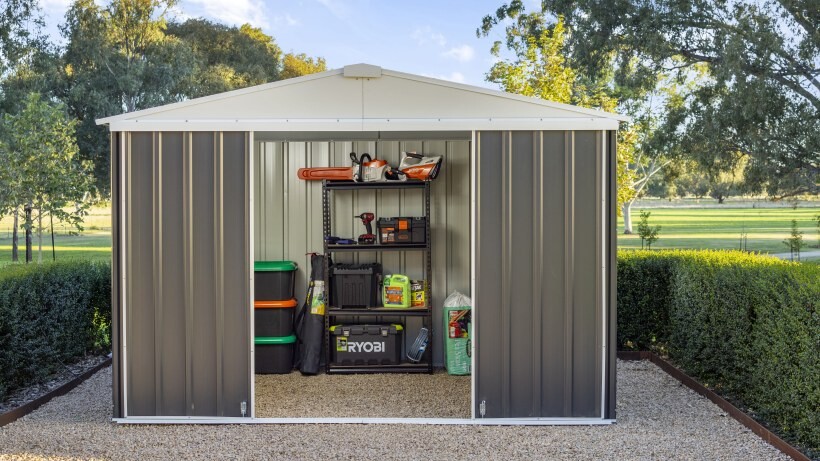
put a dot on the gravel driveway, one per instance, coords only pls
(658, 419)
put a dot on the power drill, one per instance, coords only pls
(368, 238)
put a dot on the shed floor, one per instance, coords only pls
(439, 395)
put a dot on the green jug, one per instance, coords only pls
(396, 291)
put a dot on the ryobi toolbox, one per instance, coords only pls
(402, 230)
(366, 344)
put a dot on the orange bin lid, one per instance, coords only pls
(288, 303)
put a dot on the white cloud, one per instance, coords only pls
(336, 8)
(425, 35)
(286, 20)
(461, 53)
(457, 77)
(234, 12)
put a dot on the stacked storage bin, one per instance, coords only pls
(274, 308)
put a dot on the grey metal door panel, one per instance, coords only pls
(170, 276)
(187, 280)
(140, 314)
(586, 331)
(538, 274)
(492, 368)
(553, 229)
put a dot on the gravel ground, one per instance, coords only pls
(387, 395)
(658, 418)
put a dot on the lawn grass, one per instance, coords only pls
(720, 228)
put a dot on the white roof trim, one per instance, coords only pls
(360, 71)
(358, 124)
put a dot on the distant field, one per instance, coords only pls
(94, 243)
(721, 228)
(687, 226)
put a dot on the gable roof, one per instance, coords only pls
(363, 97)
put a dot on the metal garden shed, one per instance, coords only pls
(523, 216)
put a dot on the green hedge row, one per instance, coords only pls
(51, 315)
(746, 325)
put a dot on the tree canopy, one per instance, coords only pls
(759, 97)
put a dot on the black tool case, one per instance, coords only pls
(355, 285)
(366, 344)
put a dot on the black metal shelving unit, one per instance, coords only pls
(425, 313)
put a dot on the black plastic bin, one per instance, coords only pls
(274, 280)
(274, 355)
(273, 318)
(366, 344)
(355, 285)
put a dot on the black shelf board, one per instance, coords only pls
(379, 311)
(378, 247)
(352, 185)
(400, 368)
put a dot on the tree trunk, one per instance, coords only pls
(15, 253)
(53, 253)
(627, 212)
(39, 236)
(28, 233)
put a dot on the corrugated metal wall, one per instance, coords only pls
(187, 270)
(288, 211)
(538, 273)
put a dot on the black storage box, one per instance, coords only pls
(274, 355)
(402, 230)
(273, 318)
(273, 280)
(355, 285)
(366, 344)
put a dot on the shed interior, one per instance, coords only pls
(288, 225)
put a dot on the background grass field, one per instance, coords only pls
(683, 225)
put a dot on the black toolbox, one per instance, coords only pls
(366, 344)
(402, 230)
(355, 285)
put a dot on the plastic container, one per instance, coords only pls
(396, 291)
(355, 285)
(274, 280)
(273, 318)
(366, 344)
(274, 355)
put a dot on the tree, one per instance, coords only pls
(817, 223)
(762, 94)
(795, 241)
(539, 69)
(118, 58)
(42, 170)
(226, 58)
(649, 234)
(296, 65)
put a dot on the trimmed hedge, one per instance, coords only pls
(746, 325)
(51, 315)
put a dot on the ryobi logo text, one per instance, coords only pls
(365, 346)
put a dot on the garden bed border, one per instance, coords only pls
(17, 413)
(761, 431)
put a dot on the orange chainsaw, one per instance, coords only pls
(365, 169)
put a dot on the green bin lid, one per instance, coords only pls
(267, 340)
(274, 266)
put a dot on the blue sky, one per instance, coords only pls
(427, 37)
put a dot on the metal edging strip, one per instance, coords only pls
(124, 138)
(353, 420)
(251, 207)
(473, 235)
(602, 251)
